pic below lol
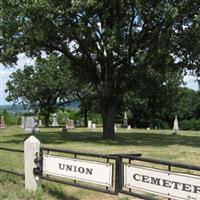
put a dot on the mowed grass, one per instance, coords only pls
(156, 144)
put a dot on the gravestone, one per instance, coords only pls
(175, 127)
(70, 124)
(125, 123)
(23, 119)
(40, 122)
(2, 122)
(115, 127)
(29, 124)
(93, 126)
(36, 126)
(129, 127)
(89, 124)
(78, 122)
(55, 122)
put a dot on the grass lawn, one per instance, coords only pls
(157, 144)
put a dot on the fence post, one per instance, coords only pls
(31, 152)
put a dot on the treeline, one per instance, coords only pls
(159, 111)
(153, 101)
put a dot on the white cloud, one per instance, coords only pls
(6, 71)
(24, 60)
(191, 82)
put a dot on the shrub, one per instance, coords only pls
(193, 124)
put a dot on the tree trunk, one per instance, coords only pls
(108, 116)
(85, 117)
(46, 119)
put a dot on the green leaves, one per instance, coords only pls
(107, 42)
(46, 86)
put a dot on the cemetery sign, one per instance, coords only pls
(165, 183)
(77, 169)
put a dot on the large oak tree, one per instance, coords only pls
(107, 41)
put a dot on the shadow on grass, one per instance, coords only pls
(122, 139)
(58, 193)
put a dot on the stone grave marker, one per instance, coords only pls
(125, 122)
(89, 124)
(2, 122)
(55, 122)
(23, 119)
(93, 127)
(29, 124)
(36, 126)
(129, 127)
(70, 124)
(175, 127)
(40, 122)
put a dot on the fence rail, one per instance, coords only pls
(9, 171)
(162, 162)
(119, 163)
(13, 150)
(79, 153)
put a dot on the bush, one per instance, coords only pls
(10, 118)
(193, 124)
(67, 114)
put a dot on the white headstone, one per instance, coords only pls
(93, 126)
(23, 122)
(125, 123)
(115, 128)
(175, 127)
(125, 115)
(31, 152)
(129, 127)
(36, 126)
(40, 122)
(29, 124)
(89, 124)
(55, 122)
(148, 129)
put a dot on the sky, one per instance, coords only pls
(5, 72)
(23, 60)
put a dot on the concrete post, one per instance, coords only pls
(31, 151)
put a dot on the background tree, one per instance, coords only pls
(156, 98)
(46, 86)
(87, 97)
(188, 106)
(108, 42)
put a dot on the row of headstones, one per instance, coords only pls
(2, 122)
(93, 126)
(69, 123)
(31, 124)
(125, 124)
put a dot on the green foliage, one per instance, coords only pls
(159, 144)
(109, 43)
(68, 114)
(153, 103)
(10, 118)
(192, 124)
(188, 105)
(45, 86)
